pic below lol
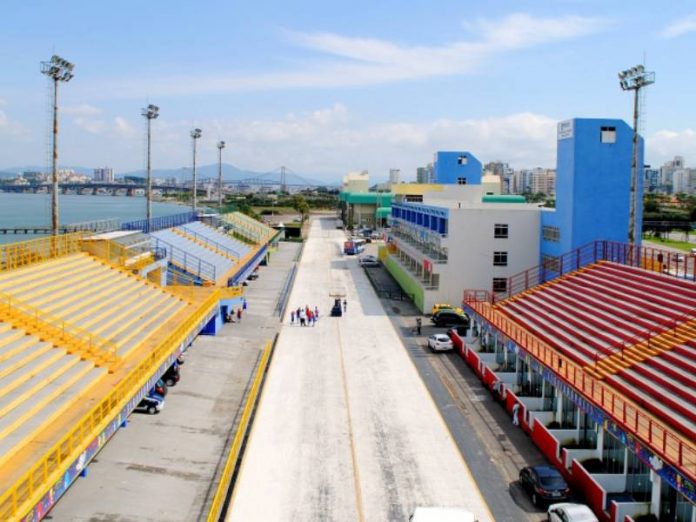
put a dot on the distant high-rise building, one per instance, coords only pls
(104, 175)
(684, 181)
(652, 179)
(425, 174)
(667, 174)
(543, 181)
(394, 176)
(504, 172)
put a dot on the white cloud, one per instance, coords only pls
(354, 61)
(665, 144)
(83, 110)
(677, 28)
(123, 127)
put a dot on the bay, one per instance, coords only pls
(35, 210)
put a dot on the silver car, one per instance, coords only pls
(439, 343)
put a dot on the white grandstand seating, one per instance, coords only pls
(595, 313)
(223, 265)
(215, 237)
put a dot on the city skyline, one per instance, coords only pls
(330, 89)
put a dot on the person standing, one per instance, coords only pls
(292, 317)
(419, 324)
(244, 303)
(515, 414)
(303, 317)
(239, 315)
(316, 313)
(345, 306)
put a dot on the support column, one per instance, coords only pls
(655, 493)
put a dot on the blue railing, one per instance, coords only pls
(160, 223)
(185, 261)
(211, 242)
(248, 266)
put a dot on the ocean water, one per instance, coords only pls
(35, 210)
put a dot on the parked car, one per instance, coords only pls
(160, 388)
(569, 512)
(447, 317)
(544, 483)
(368, 261)
(172, 375)
(151, 404)
(439, 343)
(444, 306)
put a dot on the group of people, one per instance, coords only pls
(231, 314)
(304, 316)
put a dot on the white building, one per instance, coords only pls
(356, 182)
(460, 239)
(104, 175)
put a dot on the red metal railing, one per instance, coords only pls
(668, 443)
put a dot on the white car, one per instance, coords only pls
(439, 343)
(368, 260)
(441, 514)
(569, 512)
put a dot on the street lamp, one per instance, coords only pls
(220, 146)
(634, 79)
(59, 70)
(151, 112)
(195, 135)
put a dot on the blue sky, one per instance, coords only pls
(329, 87)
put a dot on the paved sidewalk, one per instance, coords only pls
(346, 430)
(161, 467)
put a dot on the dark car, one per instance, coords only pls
(172, 375)
(544, 484)
(160, 388)
(151, 404)
(461, 330)
(446, 317)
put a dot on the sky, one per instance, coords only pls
(325, 88)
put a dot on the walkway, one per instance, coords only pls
(346, 430)
(161, 468)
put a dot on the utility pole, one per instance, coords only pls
(59, 70)
(150, 113)
(283, 181)
(195, 135)
(220, 146)
(634, 79)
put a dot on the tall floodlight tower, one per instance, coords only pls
(283, 180)
(59, 70)
(195, 135)
(151, 112)
(220, 146)
(634, 79)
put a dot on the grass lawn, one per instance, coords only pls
(275, 210)
(680, 245)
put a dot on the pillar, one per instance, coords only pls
(655, 493)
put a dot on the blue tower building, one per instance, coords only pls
(457, 168)
(593, 180)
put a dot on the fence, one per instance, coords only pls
(185, 261)
(16, 255)
(48, 469)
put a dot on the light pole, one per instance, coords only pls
(151, 112)
(195, 135)
(220, 146)
(59, 70)
(634, 79)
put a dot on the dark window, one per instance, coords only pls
(500, 258)
(461, 181)
(463, 160)
(551, 234)
(500, 231)
(499, 284)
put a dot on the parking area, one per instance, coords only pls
(162, 467)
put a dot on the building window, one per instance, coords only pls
(551, 234)
(608, 135)
(461, 181)
(462, 160)
(500, 258)
(551, 263)
(500, 231)
(499, 285)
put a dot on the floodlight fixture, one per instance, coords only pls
(58, 70)
(634, 79)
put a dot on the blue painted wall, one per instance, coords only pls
(449, 167)
(593, 185)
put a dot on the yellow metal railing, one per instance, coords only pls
(231, 292)
(223, 486)
(18, 499)
(58, 331)
(117, 254)
(16, 255)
